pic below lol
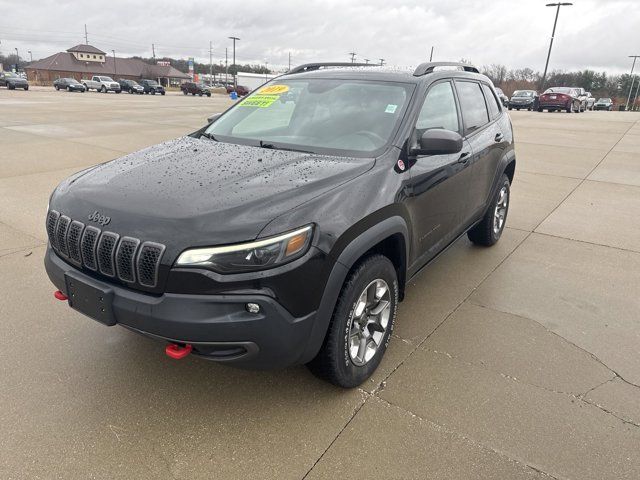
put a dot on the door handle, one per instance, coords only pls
(499, 137)
(464, 158)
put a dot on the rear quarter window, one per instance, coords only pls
(492, 101)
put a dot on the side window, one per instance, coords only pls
(492, 101)
(474, 109)
(439, 109)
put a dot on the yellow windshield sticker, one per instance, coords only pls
(259, 100)
(274, 89)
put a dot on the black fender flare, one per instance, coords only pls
(346, 260)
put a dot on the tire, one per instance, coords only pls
(162, 93)
(118, 91)
(335, 361)
(184, 92)
(152, 92)
(570, 108)
(57, 88)
(26, 87)
(68, 89)
(510, 108)
(208, 95)
(540, 109)
(11, 87)
(490, 228)
(103, 89)
(200, 94)
(529, 109)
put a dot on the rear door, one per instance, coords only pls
(438, 183)
(480, 112)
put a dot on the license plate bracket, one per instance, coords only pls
(90, 298)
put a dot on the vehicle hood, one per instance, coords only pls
(193, 192)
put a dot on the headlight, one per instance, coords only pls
(247, 257)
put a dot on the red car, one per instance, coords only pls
(240, 90)
(561, 98)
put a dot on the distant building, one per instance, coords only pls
(84, 61)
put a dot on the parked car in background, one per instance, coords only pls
(503, 98)
(524, 99)
(560, 98)
(224, 265)
(152, 87)
(13, 81)
(101, 83)
(603, 104)
(195, 89)
(241, 90)
(130, 86)
(69, 84)
(590, 101)
(582, 95)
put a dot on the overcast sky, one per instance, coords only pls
(596, 34)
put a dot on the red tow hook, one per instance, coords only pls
(176, 351)
(60, 296)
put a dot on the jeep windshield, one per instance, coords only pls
(326, 116)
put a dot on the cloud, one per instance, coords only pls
(590, 34)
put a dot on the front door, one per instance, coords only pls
(438, 183)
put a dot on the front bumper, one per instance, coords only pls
(521, 105)
(217, 326)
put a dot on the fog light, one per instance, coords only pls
(252, 307)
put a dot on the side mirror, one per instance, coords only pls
(438, 141)
(213, 117)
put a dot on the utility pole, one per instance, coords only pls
(235, 74)
(431, 56)
(30, 56)
(289, 61)
(553, 34)
(635, 57)
(635, 99)
(353, 57)
(210, 63)
(86, 36)
(226, 66)
(115, 67)
(382, 62)
(153, 51)
(17, 60)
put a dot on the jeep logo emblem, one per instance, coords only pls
(99, 218)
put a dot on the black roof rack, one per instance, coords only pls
(429, 67)
(308, 67)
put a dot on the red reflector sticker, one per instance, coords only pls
(401, 165)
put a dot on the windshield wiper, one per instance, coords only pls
(286, 149)
(209, 136)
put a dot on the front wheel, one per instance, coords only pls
(490, 228)
(361, 325)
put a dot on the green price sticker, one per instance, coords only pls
(260, 101)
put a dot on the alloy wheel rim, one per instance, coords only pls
(500, 212)
(369, 322)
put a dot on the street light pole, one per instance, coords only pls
(635, 99)
(553, 34)
(17, 60)
(30, 56)
(635, 57)
(115, 67)
(235, 73)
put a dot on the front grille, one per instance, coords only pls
(52, 221)
(61, 234)
(73, 241)
(105, 253)
(127, 259)
(148, 260)
(88, 247)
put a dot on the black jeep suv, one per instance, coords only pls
(285, 231)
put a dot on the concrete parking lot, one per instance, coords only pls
(517, 361)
